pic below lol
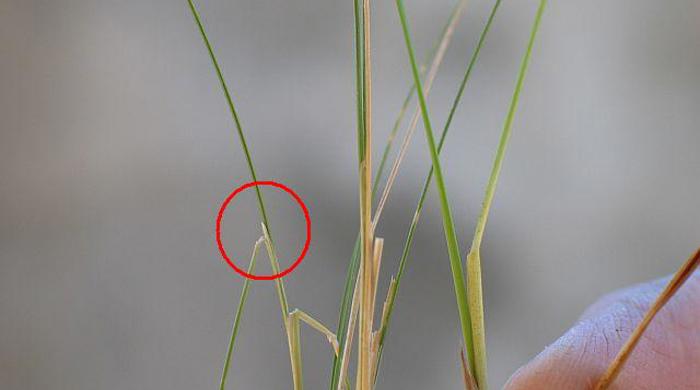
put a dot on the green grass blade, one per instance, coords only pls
(505, 134)
(239, 315)
(408, 245)
(476, 305)
(359, 77)
(448, 224)
(232, 108)
(251, 168)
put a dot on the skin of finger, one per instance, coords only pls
(667, 357)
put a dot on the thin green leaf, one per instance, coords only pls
(359, 77)
(232, 108)
(474, 286)
(239, 315)
(251, 168)
(448, 224)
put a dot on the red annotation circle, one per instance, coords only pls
(220, 217)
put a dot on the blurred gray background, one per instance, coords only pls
(116, 149)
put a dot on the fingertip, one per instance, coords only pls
(570, 363)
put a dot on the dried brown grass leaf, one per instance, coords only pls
(671, 289)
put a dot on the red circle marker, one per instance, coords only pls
(220, 217)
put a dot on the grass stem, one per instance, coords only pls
(296, 371)
(232, 109)
(364, 381)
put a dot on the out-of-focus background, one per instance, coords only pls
(116, 149)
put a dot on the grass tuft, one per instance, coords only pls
(359, 296)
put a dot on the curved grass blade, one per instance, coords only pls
(239, 314)
(261, 204)
(448, 224)
(408, 245)
(474, 287)
(232, 108)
